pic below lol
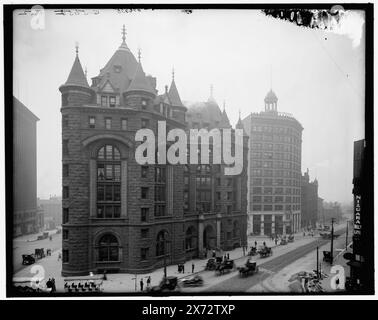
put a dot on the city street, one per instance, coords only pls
(267, 267)
(27, 245)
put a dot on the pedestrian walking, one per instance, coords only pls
(53, 285)
(183, 268)
(149, 282)
(59, 256)
(264, 244)
(214, 254)
(228, 256)
(275, 241)
(192, 267)
(141, 284)
(255, 243)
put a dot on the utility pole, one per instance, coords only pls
(317, 262)
(332, 220)
(346, 237)
(165, 260)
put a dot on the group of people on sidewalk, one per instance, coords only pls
(148, 282)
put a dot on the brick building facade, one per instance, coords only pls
(118, 215)
(274, 186)
(27, 218)
(309, 201)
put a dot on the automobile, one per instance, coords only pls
(28, 259)
(194, 281)
(167, 284)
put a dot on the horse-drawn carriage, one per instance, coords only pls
(250, 267)
(252, 251)
(290, 238)
(224, 266)
(265, 251)
(212, 263)
(39, 253)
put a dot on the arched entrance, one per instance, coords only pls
(209, 237)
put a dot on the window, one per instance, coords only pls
(190, 238)
(144, 171)
(65, 192)
(108, 182)
(144, 253)
(218, 196)
(65, 215)
(108, 248)
(65, 121)
(112, 101)
(92, 122)
(65, 147)
(144, 233)
(65, 170)
(162, 243)
(186, 201)
(108, 123)
(160, 190)
(229, 182)
(124, 124)
(229, 196)
(144, 192)
(145, 123)
(218, 181)
(66, 256)
(104, 101)
(229, 209)
(144, 104)
(65, 234)
(144, 214)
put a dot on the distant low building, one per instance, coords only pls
(52, 209)
(309, 201)
(26, 218)
(332, 210)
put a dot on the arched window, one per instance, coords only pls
(190, 238)
(162, 243)
(108, 248)
(108, 182)
(236, 230)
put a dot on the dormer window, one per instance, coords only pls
(117, 69)
(112, 101)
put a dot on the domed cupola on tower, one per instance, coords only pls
(76, 90)
(270, 101)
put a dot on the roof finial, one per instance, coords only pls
(211, 91)
(239, 115)
(123, 34)
(173, 73)
(224, 105)
(139, 54)
(77, 48)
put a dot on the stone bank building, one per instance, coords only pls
(121, 216)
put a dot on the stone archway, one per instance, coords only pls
(209, 237)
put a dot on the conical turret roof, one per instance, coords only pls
(140, 82)
(77, 76)
(174, 95)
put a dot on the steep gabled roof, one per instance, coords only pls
(120, 69)
(140, 82)
(174, 95)
(225, 122)
(76, 76)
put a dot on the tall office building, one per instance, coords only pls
(274, 177)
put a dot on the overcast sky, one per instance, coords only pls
(318, 76)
